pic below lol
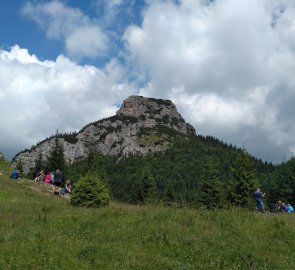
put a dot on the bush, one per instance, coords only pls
(90, 192)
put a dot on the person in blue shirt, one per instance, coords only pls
(290, 209)
(258, 195)
(14, 175)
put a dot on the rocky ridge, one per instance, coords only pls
(141, 126)
(2, 158)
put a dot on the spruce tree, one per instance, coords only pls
(39, 162)
(56, 158)
(244, 181)
(19, 166)
(144, 189)
(90, 192)
(211, 188)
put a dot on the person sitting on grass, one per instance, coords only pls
(39, 176)
(57, 182)
(47, 178)
(15, 175)
(290, 209)
(284, 207)
(67, 189)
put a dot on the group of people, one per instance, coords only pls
(283, 207)
(279, 206)
(55, 179)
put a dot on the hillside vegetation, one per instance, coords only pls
(42, 231)
(199, 172)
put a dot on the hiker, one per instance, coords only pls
(52, 177)
(57, 181)
(290, 209)
(39, 176)
(67, 189)
(258, 195)
(47, 178)
(278, 206)
(14, 175)
(284, 207)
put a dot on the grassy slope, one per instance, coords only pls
(41, 231)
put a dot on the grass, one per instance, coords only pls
(42, 231)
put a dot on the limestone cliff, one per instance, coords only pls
(2, 158)
(141, 126)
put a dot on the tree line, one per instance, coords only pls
(201, 171)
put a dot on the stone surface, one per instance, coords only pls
(141, 126)
(2, 158)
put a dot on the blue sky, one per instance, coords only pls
(227, 65)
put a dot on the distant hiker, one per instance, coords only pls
(39, 176)
(67, 189)
(52, 177)
(278, 206)
(258, 200)
(47, 178)
(14, 175)
(284, 208)
(57, 181)
(290, 209)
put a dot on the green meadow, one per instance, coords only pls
(39, 230)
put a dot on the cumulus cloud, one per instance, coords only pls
(39, 97)
(82, 36)
(228, 65)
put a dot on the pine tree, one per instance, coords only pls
(211, 188)
(144, 189)
(56, 158)
(19, 167)
(244, 181)
(39, 163)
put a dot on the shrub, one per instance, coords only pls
(90, 192)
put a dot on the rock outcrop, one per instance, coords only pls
(141, 126)
(2, 158)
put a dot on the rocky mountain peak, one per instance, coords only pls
(141, 126)
(137, 105)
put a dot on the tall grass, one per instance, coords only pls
(42, 231)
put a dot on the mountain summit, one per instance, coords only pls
(141, 126)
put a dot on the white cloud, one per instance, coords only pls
(93, 39)
(83, 37)
(228, 65)
(38, 97)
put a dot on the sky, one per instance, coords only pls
(227, 65)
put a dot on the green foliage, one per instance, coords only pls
(56, 158)
(192, 172)
(5, 168)
(144, 189)
(19, 166)
(212, 192)
(90, 192)
(164, 102)
(244, 181)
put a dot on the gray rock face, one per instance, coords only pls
(2, 158)
(141, 126)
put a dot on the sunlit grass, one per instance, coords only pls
(42, 231)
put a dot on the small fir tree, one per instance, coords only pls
(19, 166)
(39, 163)
(144, 189)
(56, 158)
(90, 192)
(211, 188)
(244, 182)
